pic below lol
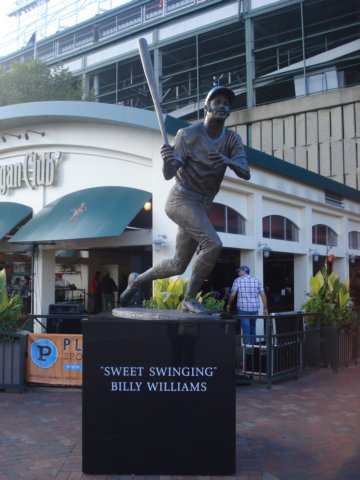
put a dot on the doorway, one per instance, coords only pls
(223, 274)
(279, 281)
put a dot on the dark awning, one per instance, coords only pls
(11, 215)
(91, 213)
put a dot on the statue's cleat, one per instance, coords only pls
(193, 306)
(126, 295)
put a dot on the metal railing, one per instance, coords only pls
(281, 348)
(287, 345)
(340, 345)
(56, 323)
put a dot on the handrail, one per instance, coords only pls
(278, 352)
(38, 317)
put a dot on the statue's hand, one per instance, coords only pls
(167, 153)
(218, 159)
(171, 163)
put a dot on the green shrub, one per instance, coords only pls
(10, 307)
(212, 303)
(329, 297)
(169, 294)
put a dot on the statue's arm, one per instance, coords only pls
(235, 158)
(171, 163)
(240, 166)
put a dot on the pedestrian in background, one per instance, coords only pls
(95, 292)
(108, 288)
(248, 291)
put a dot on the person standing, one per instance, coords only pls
(108, 289)
(95, 292)
(198, 158)
(248, 291)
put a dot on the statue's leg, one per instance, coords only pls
(195, 229)
(193, 218)
(184, 250)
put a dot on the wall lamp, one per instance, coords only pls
(351, 257)
(33, 131)
(158, 241)
(265, 249)
(315, 254)
(3, 137)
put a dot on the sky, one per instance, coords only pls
(60, 14)
(5, 6)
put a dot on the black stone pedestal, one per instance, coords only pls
(159, 394)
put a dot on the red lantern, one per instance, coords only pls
(331, 258)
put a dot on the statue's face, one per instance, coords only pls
(219, 107)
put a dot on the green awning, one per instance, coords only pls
(91, 213)
(11, 215)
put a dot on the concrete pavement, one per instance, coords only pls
(307, 429)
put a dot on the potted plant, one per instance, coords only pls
(329, 299)
(169, 293)
(12, 341)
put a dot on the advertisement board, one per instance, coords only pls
(54, 359)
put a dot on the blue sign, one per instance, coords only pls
(44, 353)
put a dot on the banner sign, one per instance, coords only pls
(54, 359)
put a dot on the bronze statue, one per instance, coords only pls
(197, 158)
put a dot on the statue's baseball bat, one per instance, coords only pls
(150, 77)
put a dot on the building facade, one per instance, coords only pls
(297, 92)
(87, 171)
(297, 108)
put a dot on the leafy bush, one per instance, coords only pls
(330, 297)
(10, 307)
(169, 294)
(211, 302)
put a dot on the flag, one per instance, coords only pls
(32, 41)
(161, 3)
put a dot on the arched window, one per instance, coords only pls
(354, 240)
(324, 235)
(280, 228)
(226, 219)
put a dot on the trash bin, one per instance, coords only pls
(67, 319)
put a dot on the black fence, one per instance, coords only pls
(281, 348)
(66, 321)
(340, 345)
(286, 346)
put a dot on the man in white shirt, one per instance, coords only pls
(248, 289)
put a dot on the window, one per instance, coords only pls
(323, 235)
(354, 240)
(226, 219)
(280, 228)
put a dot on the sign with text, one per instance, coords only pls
(167, 396)
(37, 169)
(54, 359)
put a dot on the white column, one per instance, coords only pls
(44, 282)
(302, 274)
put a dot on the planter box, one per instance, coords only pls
(339, 346)
(12, 361)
